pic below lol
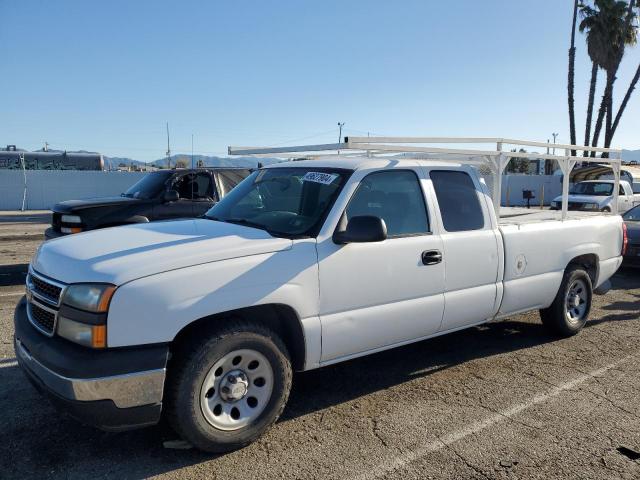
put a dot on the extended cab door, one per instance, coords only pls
(470, 248)
(378, 294)
(182, 208)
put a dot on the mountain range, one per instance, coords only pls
(112, 163)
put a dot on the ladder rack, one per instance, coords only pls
(497, 158)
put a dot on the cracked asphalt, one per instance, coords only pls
(504, 400)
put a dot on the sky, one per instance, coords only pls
(106, 76)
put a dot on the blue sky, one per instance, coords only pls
(105, 76)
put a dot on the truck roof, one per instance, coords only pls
(361, 162)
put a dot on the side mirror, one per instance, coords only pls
(362, 229)
(171, 196)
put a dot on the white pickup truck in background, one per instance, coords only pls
(303, 264)
(597, 195)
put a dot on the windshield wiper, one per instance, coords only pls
(247, 223)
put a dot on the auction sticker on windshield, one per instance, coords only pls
(319, 177)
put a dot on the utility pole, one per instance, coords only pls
(46, 146)
(340, 125)
(168, 149)
(554, 141)
(24, 174)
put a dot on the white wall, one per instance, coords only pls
(48, 187)
(512, 185)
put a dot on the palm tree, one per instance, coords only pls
(625, 100)
(609, 29)
(570, 82)
(630, 37)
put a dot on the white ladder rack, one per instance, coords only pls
(497, 158)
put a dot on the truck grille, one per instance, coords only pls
(44, 296)
(44, 319)
(45, 289)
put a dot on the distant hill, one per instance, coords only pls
(185, 159)
(628, 155)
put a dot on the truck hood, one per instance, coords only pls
(70, 206)
(121, 254)
(585, 199)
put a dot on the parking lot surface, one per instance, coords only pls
(504, 400)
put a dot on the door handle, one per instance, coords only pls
(431, 257)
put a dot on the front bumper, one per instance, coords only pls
(116, 389)
(50, 233)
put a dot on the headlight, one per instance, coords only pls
(72, 219)
(94, 336)
(89, 297)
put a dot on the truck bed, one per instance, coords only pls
(538, 246)
(521, 216)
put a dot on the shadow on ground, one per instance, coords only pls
(11, 275)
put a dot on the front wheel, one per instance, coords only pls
(570, 309)
(227, 390)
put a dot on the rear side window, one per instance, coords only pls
(458, 200)
(394, 196)
(230, 178)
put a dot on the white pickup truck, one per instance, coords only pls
(597, 195)
(304, 264)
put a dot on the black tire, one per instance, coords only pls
(559, 318)
(192, 363)
(606, 210)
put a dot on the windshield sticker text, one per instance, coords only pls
(319, 177)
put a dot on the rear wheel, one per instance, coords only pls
(227, 390)
(570, 309)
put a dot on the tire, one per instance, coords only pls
(606, 210)
(570, 309)
(205, 386)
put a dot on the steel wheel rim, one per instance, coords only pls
(575, 301)
(243, 400)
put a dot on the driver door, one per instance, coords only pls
(183, 208)
(373, 295)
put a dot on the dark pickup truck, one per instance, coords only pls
(161, 195)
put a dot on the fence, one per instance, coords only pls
(45, 188)
(48, 187)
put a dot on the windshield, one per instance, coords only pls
(148, 186)
(600, 189)
(632, 215)
(283, 201)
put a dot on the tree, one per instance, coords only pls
(182, 163)
(570, 80)
(625, 100)
(609, 28)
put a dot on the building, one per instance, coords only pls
(11, 159)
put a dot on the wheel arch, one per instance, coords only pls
(281, 318)
(590, 263)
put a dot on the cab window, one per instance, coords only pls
(458, 201)
(396, 197)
